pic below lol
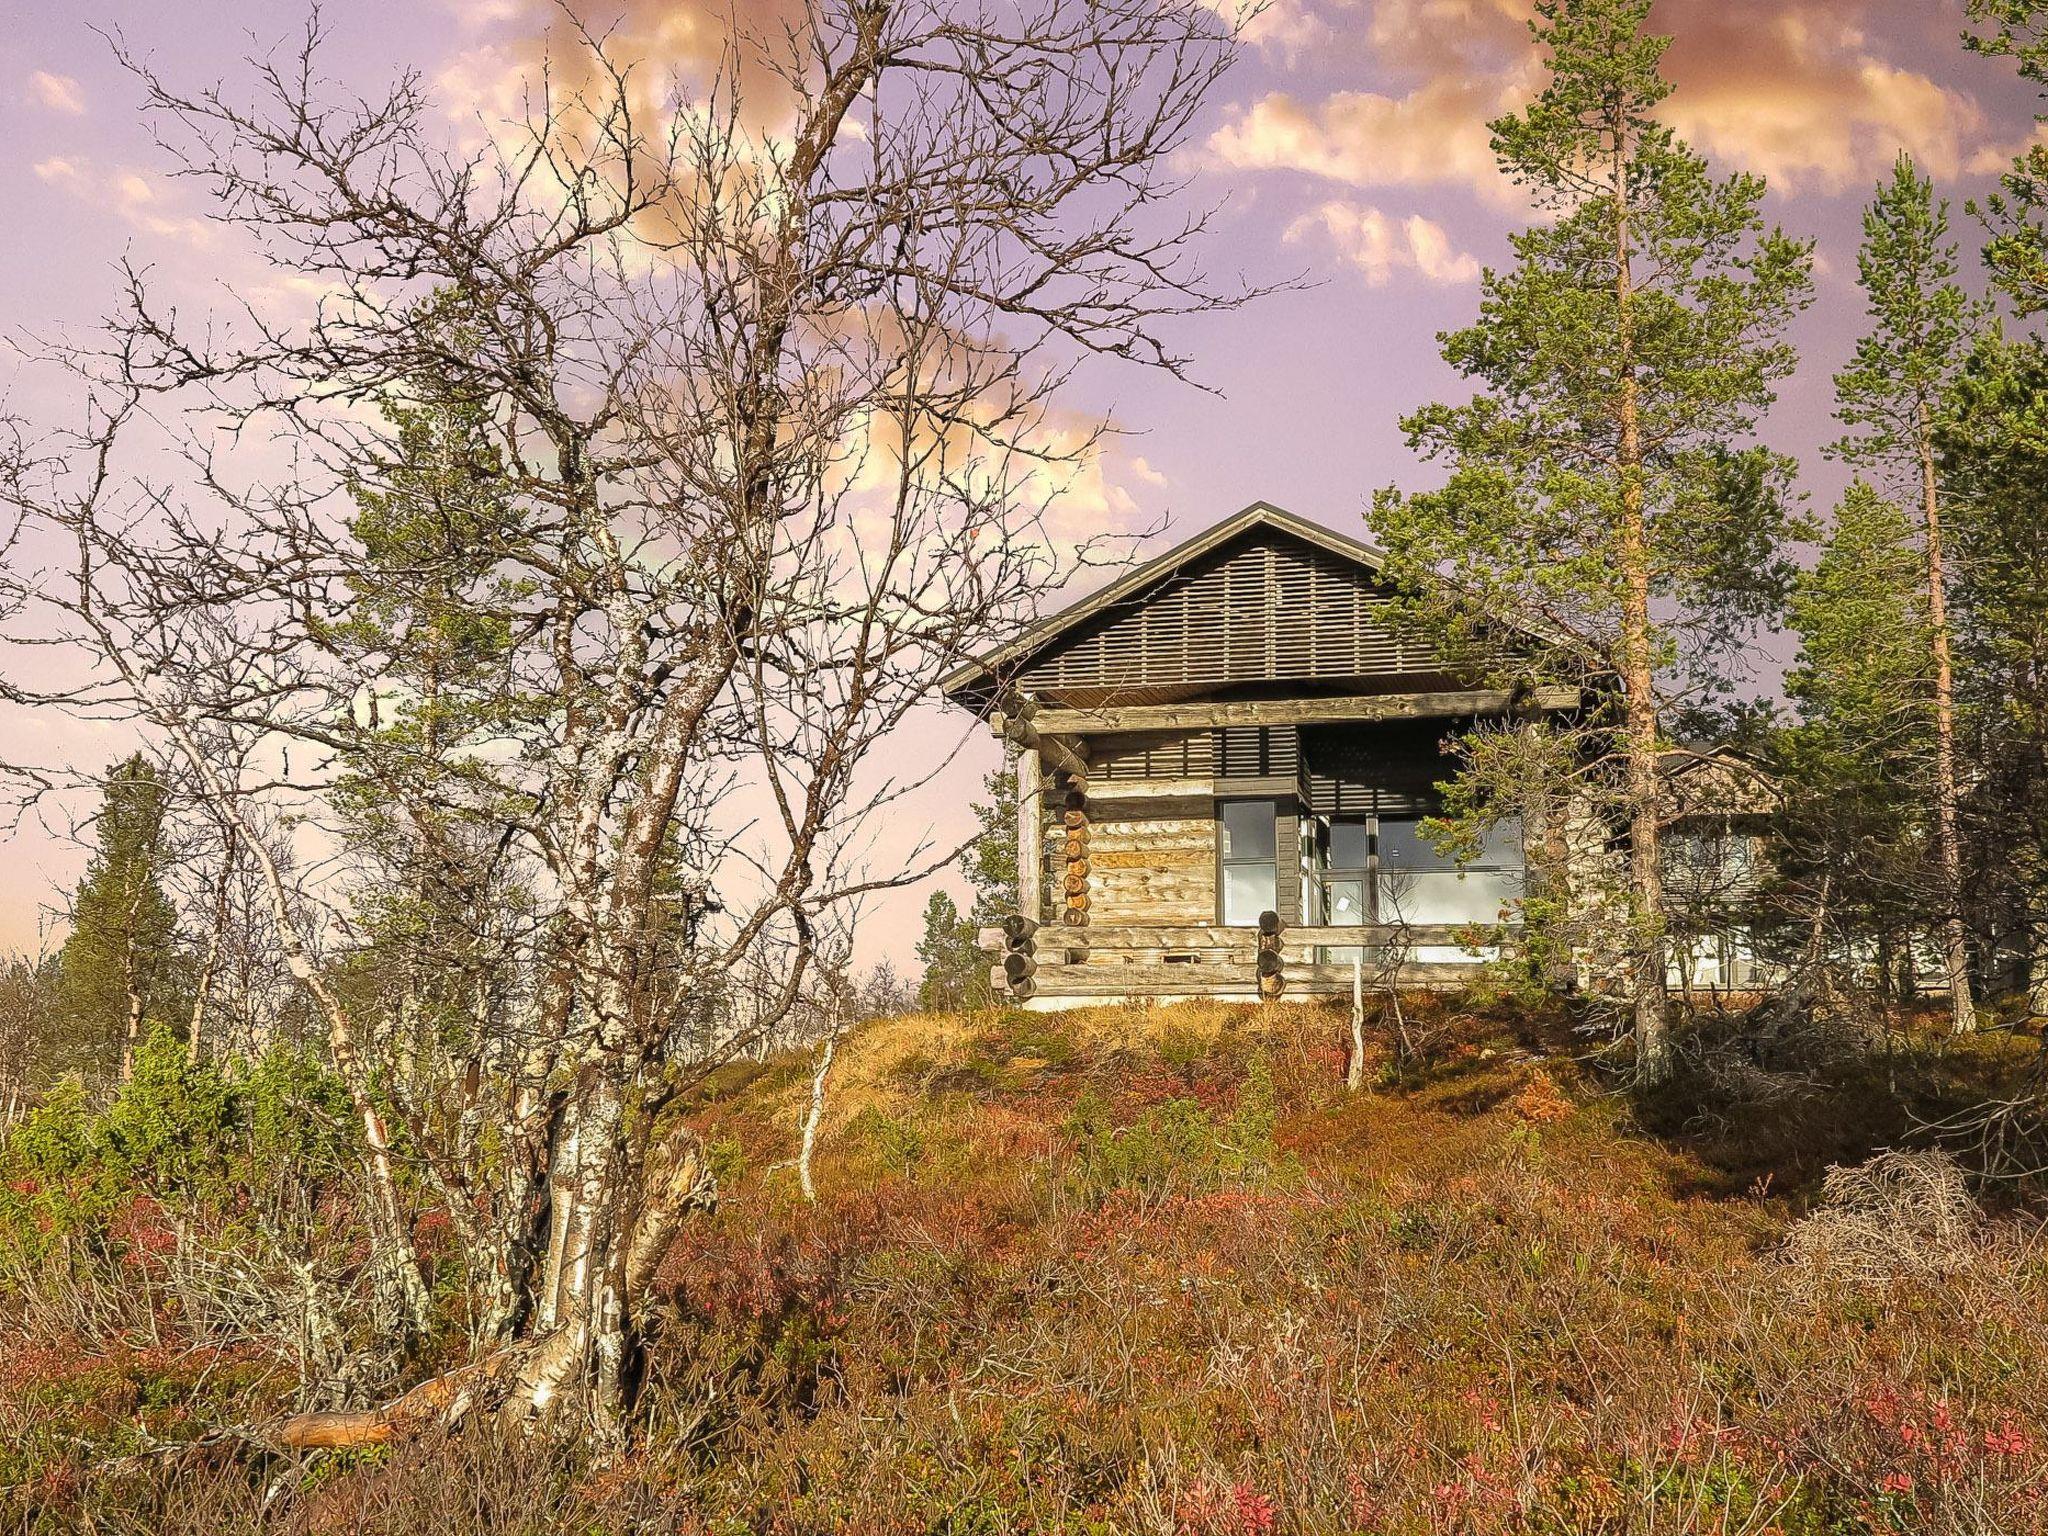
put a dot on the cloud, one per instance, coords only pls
(129, 194)
(1803, 94)
(1464, 62)
(1436, 134)
(1801, 91)
(1288, 28)
(1143, 472)
(661, 41)
(488, 13)
(1995, 159)
(60, 93)
(1380, 246)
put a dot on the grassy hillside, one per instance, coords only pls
(1155, 1271)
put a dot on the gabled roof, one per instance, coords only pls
(1260, 514)
(1718, 778)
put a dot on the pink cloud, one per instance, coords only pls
(1381, 246)
(60, 93)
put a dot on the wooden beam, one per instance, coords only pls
(1070, 757)
(1030, 834)
(1304, 711)
(1142, 940)
(1152, 789)
(1109, 981)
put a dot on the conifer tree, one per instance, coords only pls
(429, 631)
(2017, 251)
(1857, 766)
(1602, 490)
(1891, 398)
(1994, 452)
(955, 967)
(990, 862)
(119, 970)
(955, 970)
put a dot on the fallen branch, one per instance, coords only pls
(440, 1402)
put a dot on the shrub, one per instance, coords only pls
(1177, 1147)
(1899, 1215)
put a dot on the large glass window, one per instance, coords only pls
(1347, 882)
(1383, 870)
(1247, 831)
(1419, 885)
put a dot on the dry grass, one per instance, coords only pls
(1153, 1271)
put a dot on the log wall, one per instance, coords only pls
(1152, 862)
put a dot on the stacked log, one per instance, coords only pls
(1017, 974)
(1075, 883)
(1271, 983)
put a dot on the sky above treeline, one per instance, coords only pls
(1347, 148)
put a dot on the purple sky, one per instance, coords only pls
(1348, 144)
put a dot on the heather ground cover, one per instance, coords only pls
(1156, 1271)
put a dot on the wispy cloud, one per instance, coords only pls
(1435, 135)
(1807, 95)
(60, 93)
(1805, 92)
(1381, 246)
(129, 194)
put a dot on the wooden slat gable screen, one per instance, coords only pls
(1236, 752)
(1157, 755)
(1272, 607)
(1258, 752)
(1383, 770)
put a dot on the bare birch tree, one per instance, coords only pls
(740, 424)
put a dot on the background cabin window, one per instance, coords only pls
(1419, 885)
(1347, 882)
(1248, 842)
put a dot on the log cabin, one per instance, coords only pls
(1224, 759)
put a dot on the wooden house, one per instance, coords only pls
(1224, 760)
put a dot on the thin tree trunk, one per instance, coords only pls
(131, 986)
(133, 1032)
(1948, 843)
(816, 1113)
(202, 992)
(1646, 876)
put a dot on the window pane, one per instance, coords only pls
(1435, 896)
(1347, 845)
(1248, 890)
(1248, 829)
(1344, 903)
(1503, 846)
(1403, 845)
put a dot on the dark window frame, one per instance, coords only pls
(1271, 862)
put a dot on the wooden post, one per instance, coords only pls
(1354, 1074)
(1030, 834)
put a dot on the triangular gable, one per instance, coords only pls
(1262, 597)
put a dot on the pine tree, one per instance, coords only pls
(1855, 769)
(955, 970)
(2017, 252)
(990, 862)
(1601, 488)
(120, 970)
(1891, 398)
(429, 629)
(955, 967)
(1994, 452)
